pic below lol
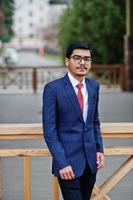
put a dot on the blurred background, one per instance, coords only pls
(33, 37)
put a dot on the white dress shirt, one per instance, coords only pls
(84, 91)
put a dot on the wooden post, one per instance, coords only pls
(1, 179)
(122, 78)
(27, 178)
(34, 80)
(128, 46)
(56, 189)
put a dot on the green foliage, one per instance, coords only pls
(7, 7)
(100, 23)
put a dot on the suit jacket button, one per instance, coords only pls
(86, 129)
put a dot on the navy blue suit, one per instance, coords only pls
(70, 140)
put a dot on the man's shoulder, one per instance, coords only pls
(93, 82)
(55, 83)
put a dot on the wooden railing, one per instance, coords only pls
(34, 78)
(34, 131)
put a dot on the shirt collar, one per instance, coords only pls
(74, 81)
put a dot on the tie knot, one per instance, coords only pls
(79, 86)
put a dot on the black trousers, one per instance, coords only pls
(80, 188)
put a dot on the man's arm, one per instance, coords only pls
(49, 119)
(98, 138)
(49, 113)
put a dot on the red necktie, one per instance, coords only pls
(80, 95)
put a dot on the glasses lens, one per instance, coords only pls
(87, 60)
(77, 59)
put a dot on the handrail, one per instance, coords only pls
(34, 131)
(46, 153)
(34, 78)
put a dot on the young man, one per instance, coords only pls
(71, 125)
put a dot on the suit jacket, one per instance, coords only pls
(70, 140)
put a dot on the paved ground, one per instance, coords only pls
(26, 108)
(34, 59)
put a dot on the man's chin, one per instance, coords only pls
(81, 74)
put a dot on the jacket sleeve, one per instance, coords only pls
(49, 119)
(96, 123)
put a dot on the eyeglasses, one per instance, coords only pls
(78, 59)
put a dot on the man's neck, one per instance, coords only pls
(78, 78)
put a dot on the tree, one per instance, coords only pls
(6, 19)
(100, 23)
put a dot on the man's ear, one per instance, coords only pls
(66, 62)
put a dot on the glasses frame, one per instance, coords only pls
(81, 58)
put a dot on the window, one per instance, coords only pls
(30, 1)
(31, 24)
(30, 13)
(20, 19)
(41, 8)
(20, 30)
(31, 35)
(41, 20)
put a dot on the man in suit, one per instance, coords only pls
(72, 127)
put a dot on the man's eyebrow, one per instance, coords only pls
(82, 56)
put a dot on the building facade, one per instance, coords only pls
(31, 16)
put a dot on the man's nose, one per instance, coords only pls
(82, 61)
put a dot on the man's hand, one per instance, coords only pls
(67, 173)
(100, 160)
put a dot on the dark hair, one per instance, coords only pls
(77, 45)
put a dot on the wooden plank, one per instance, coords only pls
(34, 131)
(117, 127)
(21, 137)
(115, 178)
(21, 131)
(106, 67)
(55, 189)
(20, 128)
(1, 180)
(118, 151)
(24, 152)
(27, 192)
(38, 136)
(45, 152)
(117, 135)
(96, 190)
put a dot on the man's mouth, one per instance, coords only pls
(81, 68)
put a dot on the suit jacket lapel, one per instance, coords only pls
(90, 99)
(73, 98)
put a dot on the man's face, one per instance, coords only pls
(79, 63)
